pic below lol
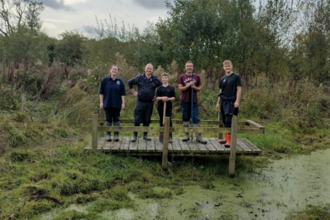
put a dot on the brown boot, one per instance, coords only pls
(222, 141)
(161, 137)
(227, 144)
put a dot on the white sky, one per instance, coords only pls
(68, 15)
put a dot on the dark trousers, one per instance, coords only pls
(186, 112)
(168, 113)
(143, 112)
(226, 119)
(112, 114)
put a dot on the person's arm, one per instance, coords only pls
(218, 102)
(123, 102)
(101, 92)
(238, 96)
(197, 88)
(184, 88)
(132, 82)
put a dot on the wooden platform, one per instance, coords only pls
(177, 148)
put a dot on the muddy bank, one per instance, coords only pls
(286, 186)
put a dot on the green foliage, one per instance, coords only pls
(311, 213)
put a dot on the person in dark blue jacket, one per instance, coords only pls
(112, 99)
(147, 84)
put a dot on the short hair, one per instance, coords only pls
(189, 62)
(227, 62)
(114, 66)
(165, 74)
(150, 65)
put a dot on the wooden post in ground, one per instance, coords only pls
(165, 143)
(233, 143)
(94, 130)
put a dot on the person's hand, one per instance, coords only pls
(123, 107)
(101, 105)
(236, 104)
(217, 107)
(135, 93)
(165, 99)
(191, 83)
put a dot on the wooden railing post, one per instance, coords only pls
(94, 130)
(220, 135)
(233, 143)
(165, 143)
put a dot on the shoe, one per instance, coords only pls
(227, 144)
(116, 138)
(161, 137)
(222, 141)
(186, 138)
(170, 139)
(199, 136)
(108, 138)
(145, 136)
(134, 139)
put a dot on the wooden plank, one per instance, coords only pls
(142, 145)
(151, 145)
(202, 147)
(158, 146)
(243, 146)
(125, 144)
(233, 146)
(250, 145)
(130, 129)
(133, 146)
(106, 145)
(115, 146)
(219, 147)
(209, 146)
(193, 146)
(101, 142)
(184, 146)
(176, 145)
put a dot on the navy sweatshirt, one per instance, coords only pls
(146, 87)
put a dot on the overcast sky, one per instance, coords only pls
(67, 15)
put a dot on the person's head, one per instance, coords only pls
(114, 69)
(189, 67)
(165, 78)
(227, 66)
(149, 69)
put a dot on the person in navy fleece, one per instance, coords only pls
(112, 99)
(228, 98)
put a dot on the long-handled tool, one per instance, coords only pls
(192, 106)
(164, 113)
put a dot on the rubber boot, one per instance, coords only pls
(227, 144)
(116, 138)
(108, 138)
(186, 124)
(145, 136)
(170, 139)
(134, 138)
(199, 136)
(222, 141)
(161, 137)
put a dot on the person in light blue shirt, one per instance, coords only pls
(112, 99)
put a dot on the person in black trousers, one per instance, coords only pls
(165, 93)
(112, 99)
(147, 84)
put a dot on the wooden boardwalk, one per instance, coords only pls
(177, 148)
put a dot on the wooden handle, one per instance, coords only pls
(164, 113)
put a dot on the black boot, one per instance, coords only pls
(145, 136)
(134, 139)
(161, 137)
(108, 138)
(116, 138)
(170, 139)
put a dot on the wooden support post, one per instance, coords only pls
(220, 135)
(94, 130)
(165, 143)
(233, 143)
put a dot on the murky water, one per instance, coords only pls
(287, 185)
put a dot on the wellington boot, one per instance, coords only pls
(186, 138)
(199, 136)
(134, 138)
(161, 137)
(223, 141)
(145, 136)
(227, 144)
(108, 138)
(170, 139)
(116, 138)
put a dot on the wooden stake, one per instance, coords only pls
(94, 130)
(233, 143)
(164, 113)
(165, 143)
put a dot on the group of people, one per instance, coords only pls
(112, 99)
